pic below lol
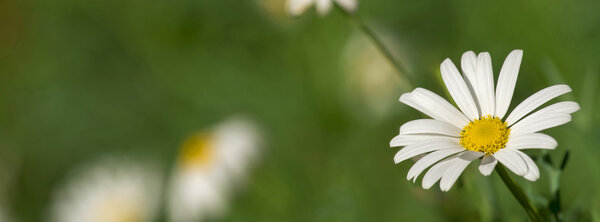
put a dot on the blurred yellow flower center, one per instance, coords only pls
(486, 135)
(197, 151)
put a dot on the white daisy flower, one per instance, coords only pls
(297, 7)
(454, 138)
(209, 166)
(110, 190)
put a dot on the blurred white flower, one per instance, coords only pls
(477, 130)
(371, 81)
(297, 7)
(110, 190)
(210, 165)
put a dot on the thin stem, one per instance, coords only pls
(377, 41)
(519, 194)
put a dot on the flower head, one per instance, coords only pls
(116, 190)
(477, 129)
(209, 164)
(297, 7)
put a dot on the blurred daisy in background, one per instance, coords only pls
(297, 7)
(211, 164)
(479, 129)
(109, 190)
(371, 82)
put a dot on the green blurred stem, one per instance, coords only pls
(377, 41)
(519, 194)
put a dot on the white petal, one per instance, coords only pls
(459, 165)
(423, 147)
(409, 99)
(512, 161)
(447, 111)
(458, 89)
(531, 141)
(323, 6)
(405, 140)
(539, 123)
(429, 160)
(560, 107)
(468, 63)
(429, 126)
(348, 5)
(297, 7)
(485, 84)
(434, 106)
(436, 172)
(487, 165)
(507, 81)
(533, 173)
(536, 100)
(566, 107)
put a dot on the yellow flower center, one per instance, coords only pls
(197, 151)
(486, 135)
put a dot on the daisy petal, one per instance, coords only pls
(539, 123)
(485, 84)
(512, 161)
(405, 140)
(436, 172)
(487, 165)
(429, 160)
(507, 81)
(460, 163)
(297, 7)
(429, 126)
(565, 107)
(409, 99)
(458, 89)
(533, 172)
(323, 6)
(423, 147)
(468, 63)
(536, 100)
(560, 107)
(434, 106)
(531, 141)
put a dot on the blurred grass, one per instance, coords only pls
(84, 79)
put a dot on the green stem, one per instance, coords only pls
(378, 43)
(519, 194)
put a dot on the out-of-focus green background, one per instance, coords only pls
(82, 79)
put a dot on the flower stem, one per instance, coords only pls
(519, 194)
(378, 43)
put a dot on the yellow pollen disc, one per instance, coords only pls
(486, 135)
(197, 151)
